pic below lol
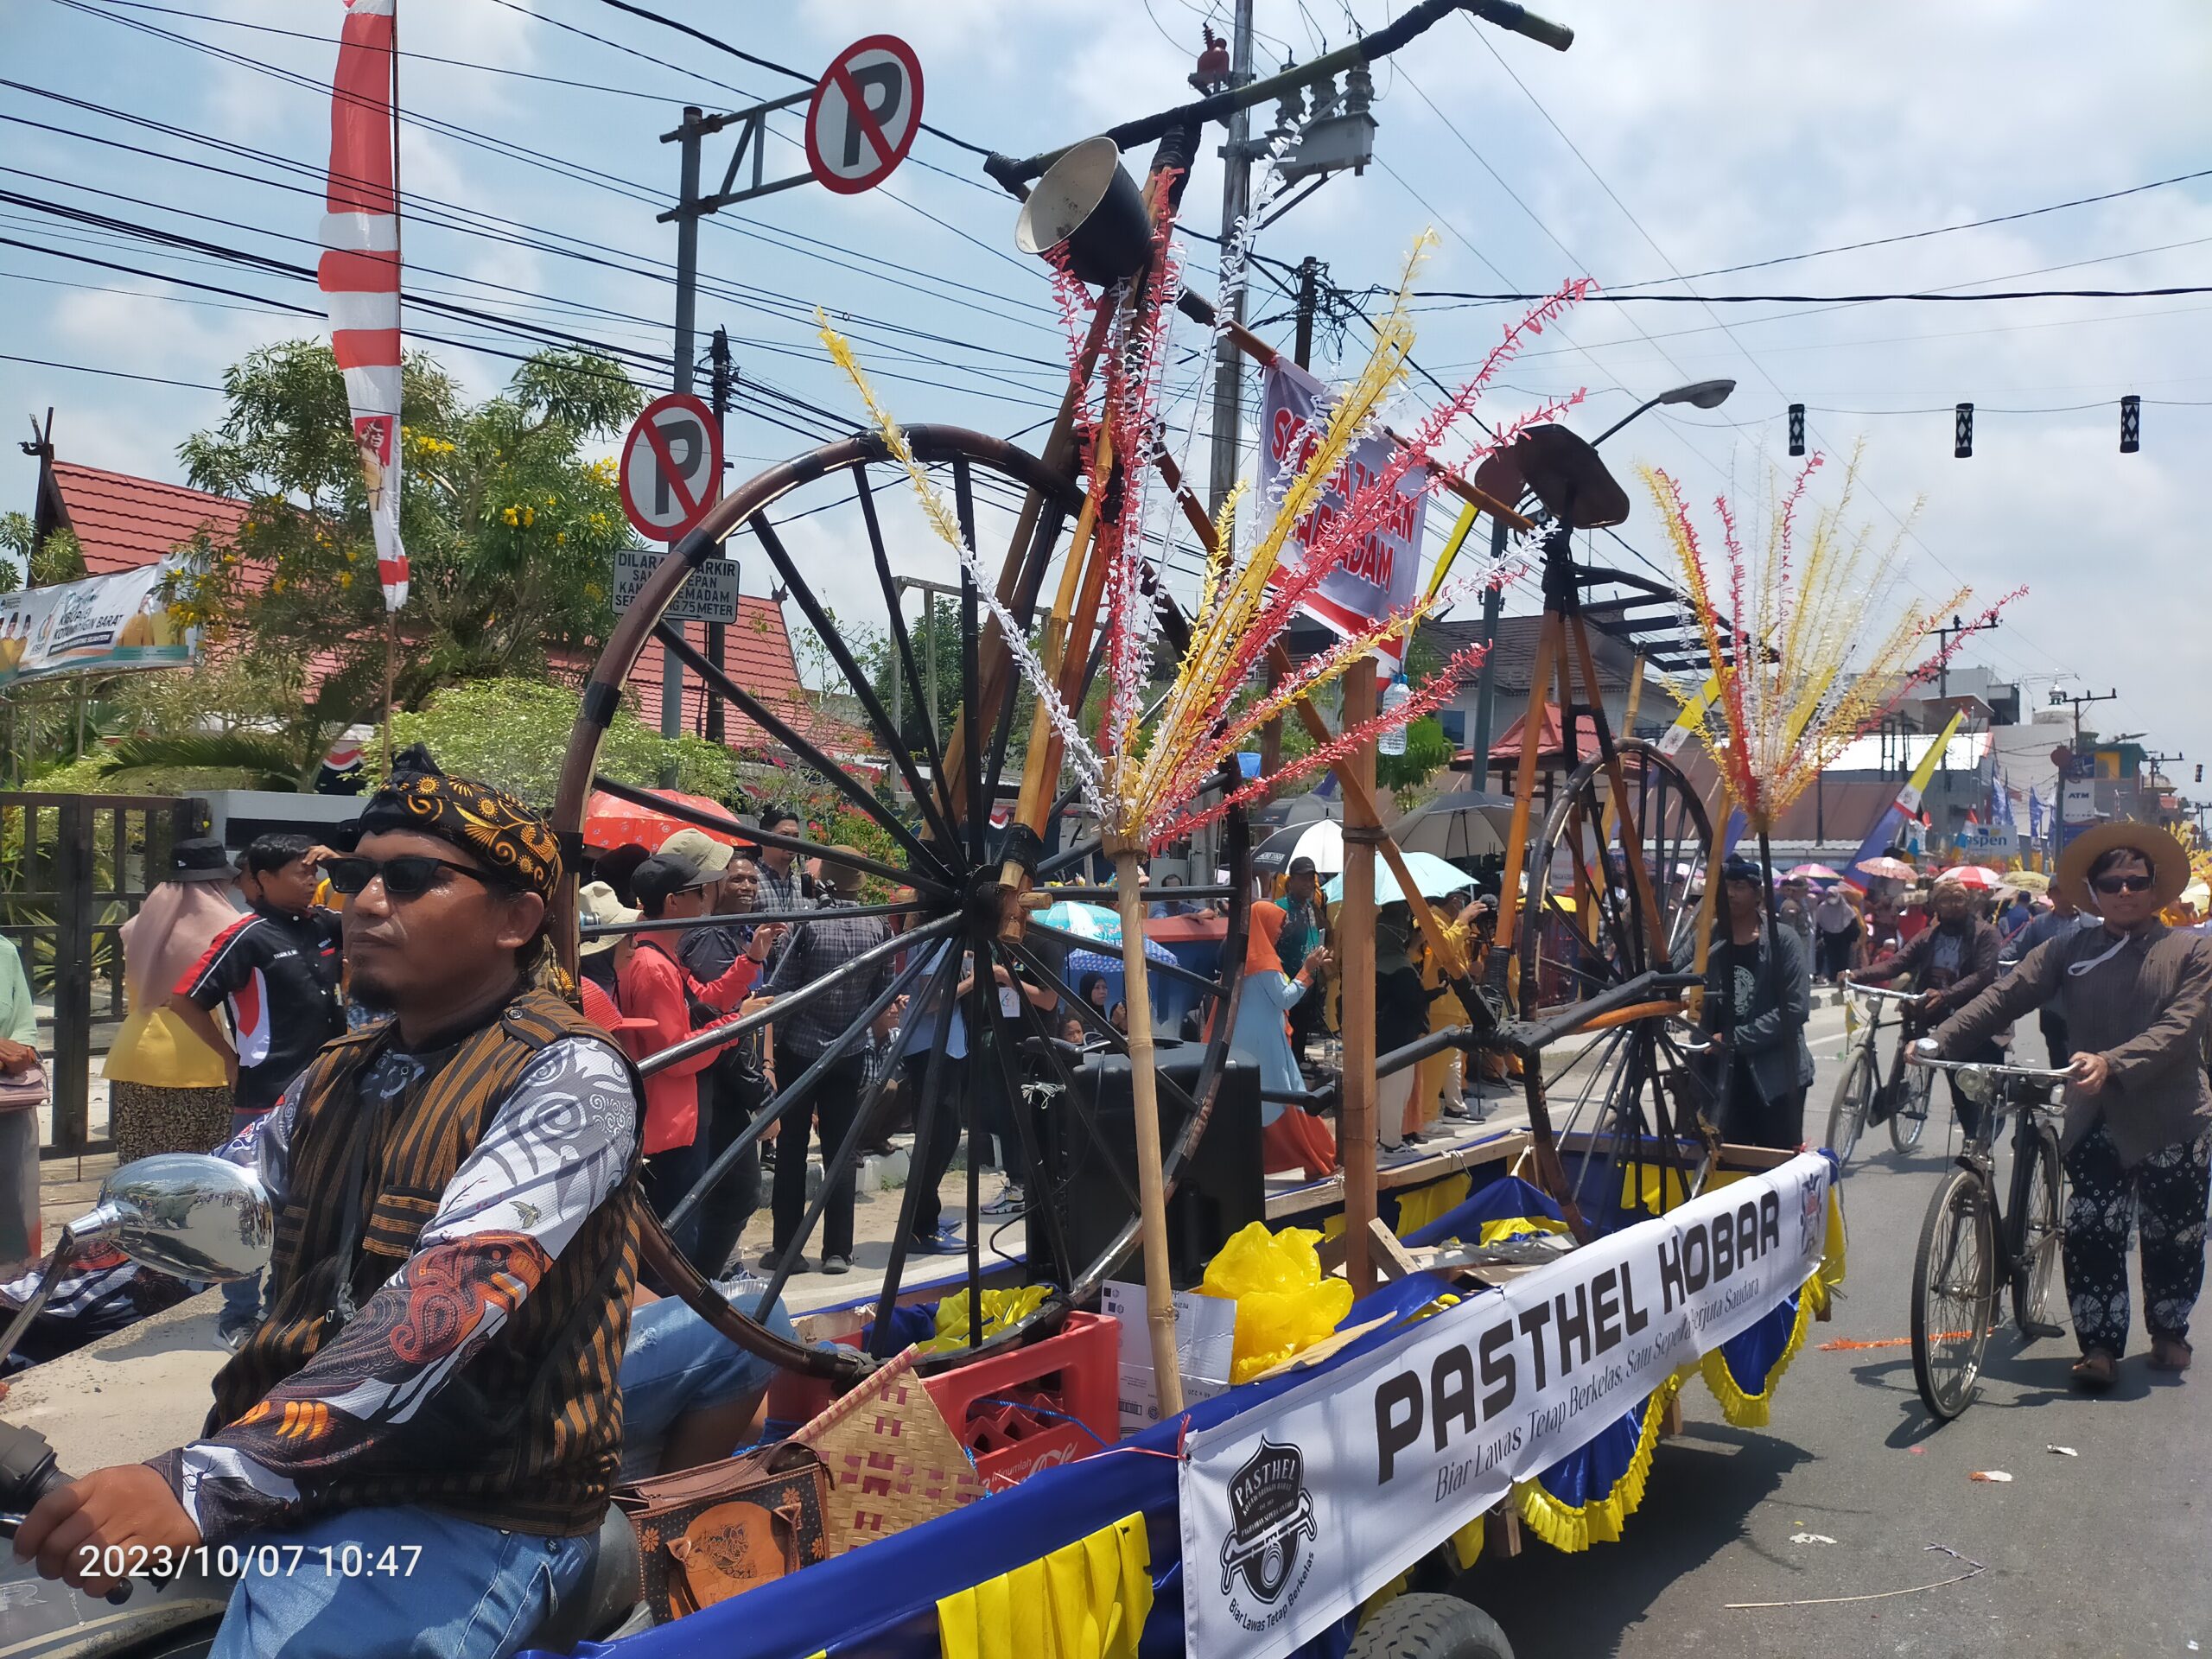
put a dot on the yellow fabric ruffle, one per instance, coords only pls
(1419, 1205)
(1086, 1600)
(1572, 1527)
(1819, 1289)
(1751, 1410)
(1467, 1544)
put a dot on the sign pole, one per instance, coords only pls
(1355, 927)
(687, 310)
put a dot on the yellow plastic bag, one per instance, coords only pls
(1001, 1309)
(1283, 1305)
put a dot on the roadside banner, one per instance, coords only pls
(1381, 575)
(1295, 1513)
(103, 625)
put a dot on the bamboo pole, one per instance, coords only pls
(1355, 925)
(1144, 1092)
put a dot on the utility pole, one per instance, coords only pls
(2078, 703)
(688, 136)
(723, 385)
(1944, 675)
(1236, 197)
(1309, 299)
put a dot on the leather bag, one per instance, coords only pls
(708, 1533)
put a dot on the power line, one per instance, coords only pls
(1923, 295)
(118, 374)
(410, 56)
(701, 35)
(1904, 523)
(1917, 236)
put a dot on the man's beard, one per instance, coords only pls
(364, 988)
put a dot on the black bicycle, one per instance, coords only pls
(1861, 1084)
(1971, 1250)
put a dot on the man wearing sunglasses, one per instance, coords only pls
(435, 1390)
(2137, 1137)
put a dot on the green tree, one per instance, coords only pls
(513, 733)
(510, 530)
(57, 558)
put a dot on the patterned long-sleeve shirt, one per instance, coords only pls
(555, 1151)
(818, 950)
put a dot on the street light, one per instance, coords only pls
(1699, 394)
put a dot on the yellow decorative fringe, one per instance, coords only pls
(1418, 1207)
(1086, 1600)
(1572, 1526)
(1750, 1410)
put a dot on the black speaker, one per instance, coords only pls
(1221, 1190)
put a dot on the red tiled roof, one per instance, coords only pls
(757, 655)
(125, 523)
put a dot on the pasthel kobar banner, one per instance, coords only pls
(1295, 1513)
(1381, 574)
(102, 625)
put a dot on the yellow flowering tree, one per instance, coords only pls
(510, 526)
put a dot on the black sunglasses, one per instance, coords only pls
(2123, 883)
(409, 877)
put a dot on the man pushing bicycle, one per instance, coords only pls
(2137, 1136)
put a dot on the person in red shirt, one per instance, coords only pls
(654, 986)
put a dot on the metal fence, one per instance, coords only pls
(73, 868)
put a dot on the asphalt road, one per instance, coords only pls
(2105, 1553)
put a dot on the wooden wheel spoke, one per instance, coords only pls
(761, 715)
(743, 919)
(1005, 1038)
(933, 997)
(723, 823)
(1174, 971)
(1076, 1103)
(903, 646)
(773, 1109)
(723, 1033)
(825, 630)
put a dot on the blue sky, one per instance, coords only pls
(1671, 139)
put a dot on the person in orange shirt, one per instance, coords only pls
(654, 987)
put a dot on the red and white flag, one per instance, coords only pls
(358, 272)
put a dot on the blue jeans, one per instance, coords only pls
(675, 1361)
(472, 1593)
(241, 1297)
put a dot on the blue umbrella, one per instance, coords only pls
(1086, 921)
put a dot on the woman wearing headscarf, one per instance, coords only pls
(1402, 1002)
(1291, 1137)
(168, 1090)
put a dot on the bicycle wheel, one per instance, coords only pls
(1854, 1093)
(1911, 1117)
(1953, 1293)
(2036, 1222)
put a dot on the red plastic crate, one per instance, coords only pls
(1011, 1412)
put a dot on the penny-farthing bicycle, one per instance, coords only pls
(951, 887)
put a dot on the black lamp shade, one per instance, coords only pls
(1796, 428)
(1962, 433)
(2130, 424)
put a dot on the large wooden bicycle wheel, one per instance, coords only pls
(939, 888)
(1587, 929)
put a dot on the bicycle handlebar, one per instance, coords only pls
(1992, 1068)
(1882, 992)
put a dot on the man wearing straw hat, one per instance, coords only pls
(2138, 1138)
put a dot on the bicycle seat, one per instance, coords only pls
(610, 1591)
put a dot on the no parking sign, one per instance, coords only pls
(865, 112)
(671, 464)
